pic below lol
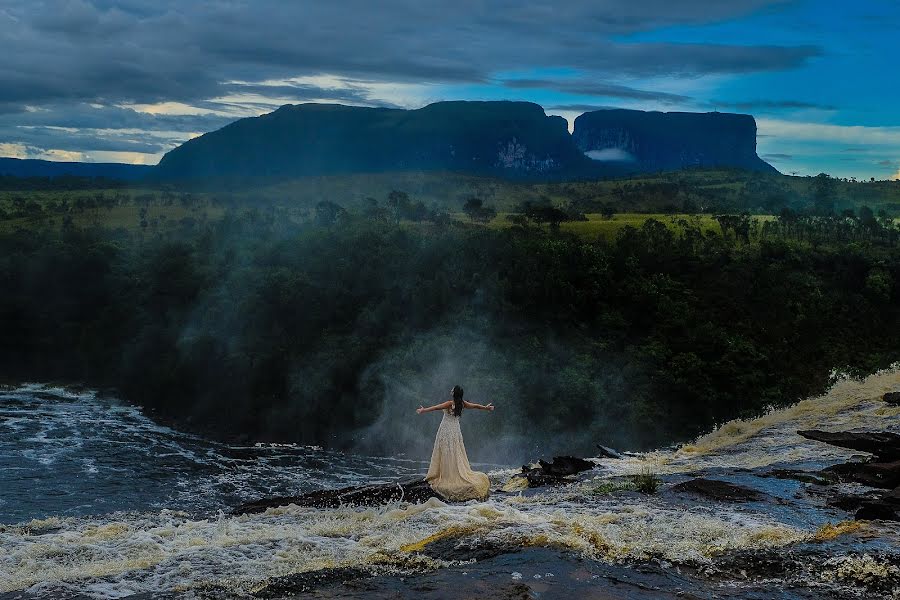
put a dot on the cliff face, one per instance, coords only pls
(656, 141)
(513, 139)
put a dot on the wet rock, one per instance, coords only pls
(721, 491)
(886, 508)
(556, 472)
(564, 466)
(300, 583)
(884, 475)
(538, 478)
(892, 397)
(883, 444)
(468, 548)
(369, 495)
(878, 510)
(851, 502)
(607, 452)
(803, 476)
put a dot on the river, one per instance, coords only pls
(98, 501)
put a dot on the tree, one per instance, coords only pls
(475, 210)
(328, 213)
(824, 191)
(608, 210)
(545, 213)
(399, 204)
(866, 216)
(374, 212)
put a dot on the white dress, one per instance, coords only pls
(449, 473)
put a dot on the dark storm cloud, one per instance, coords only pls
(778, 156)
(297, 92)
(87, 116)
(587, 88)
(156, 50)
(87, 140)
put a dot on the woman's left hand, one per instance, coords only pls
(420, 410)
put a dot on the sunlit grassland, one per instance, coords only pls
(110, 209)
(598, 225)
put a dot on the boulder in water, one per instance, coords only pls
(556, 472)
(607, 452)
(803, 476)
(721, 491)
(886, 508)
(883, 444)
(878, 510)
(892, 398)
(564, 466)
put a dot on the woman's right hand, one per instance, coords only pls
(489, 406)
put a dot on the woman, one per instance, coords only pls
(449, 473)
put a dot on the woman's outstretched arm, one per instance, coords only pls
(488, 406)
(441, 406)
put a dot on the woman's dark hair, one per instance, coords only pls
(457, 400)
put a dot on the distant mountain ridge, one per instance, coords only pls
(17, 167)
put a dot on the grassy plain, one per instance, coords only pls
(663, 197)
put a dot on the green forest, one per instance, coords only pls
(327, 326)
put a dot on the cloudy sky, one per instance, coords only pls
(126, 80)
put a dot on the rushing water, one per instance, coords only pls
(97, 500)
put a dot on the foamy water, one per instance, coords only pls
(172, 539)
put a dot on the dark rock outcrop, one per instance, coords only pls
(886, 508)
(720, 491)
(301, 583)
(892, 397)
(657, 141)
(881, 472)
(803, 476)
(556, 472)
(370, 495)
(885, 475)
(509, 139)
(564, 466)
(878, 510)
(883, 444)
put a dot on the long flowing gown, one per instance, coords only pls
(449, 473)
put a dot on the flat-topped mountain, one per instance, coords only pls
(514, 140)
(511, 139)
(657, 141)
